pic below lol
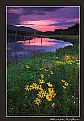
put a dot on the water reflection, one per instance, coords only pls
(44, 44)
(25, 49)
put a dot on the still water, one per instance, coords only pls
(25, 49)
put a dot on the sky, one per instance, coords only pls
(42, 18)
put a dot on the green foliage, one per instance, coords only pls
(55, 67)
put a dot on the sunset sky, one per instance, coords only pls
(43, 18)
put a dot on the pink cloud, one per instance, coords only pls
(41, 25)
(38, 22)
(73, 20)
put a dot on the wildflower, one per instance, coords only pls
(53, 105)
(63, 80)
(49, 84)
(34, 86)
(42, 76)
(37, 101)
(27, 66)
(78, 62)
(51, 72)
(41, 81)
(49, 97)
(67, 57)
(64, 87)
(54, 94)
(41, 68)
(40, 87)
(66, 84)
(42, 94)
(45, 69)
(70, 62)
(27, 88)
(51, 90)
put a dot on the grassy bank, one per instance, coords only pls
(68, 38)
(46, 84)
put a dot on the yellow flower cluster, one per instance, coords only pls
(44, 69)
(71, 60)
(65, 84)
(47, 93)
(51, 94)
(42, 93)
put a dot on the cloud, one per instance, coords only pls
(43, 17)
(12, 19)
(31, 10)
(65, 23)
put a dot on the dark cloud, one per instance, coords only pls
(12, 19)
(62, 24)
(14, 13)
(34, 10)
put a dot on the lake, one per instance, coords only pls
(25, 49)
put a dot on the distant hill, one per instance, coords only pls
(73, 30)
(20, 30)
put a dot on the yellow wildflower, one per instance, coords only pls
(51, 72)
(27, 66)
(51, 90)
(49, 84)
(53, 105)
(64, 87)
(78, 62)
(45, 69)
(70, 62)
(41, 69)
(42, 94)
(42, 76)
(27, 88)
(34, 86)
(37, 101)
(67, 57)
(63, 80)
(54, 94)
(66, 84)
(41, 81)
(49, 97)
(40, 87)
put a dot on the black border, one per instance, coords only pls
(3, 4)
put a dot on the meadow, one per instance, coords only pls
(46, 84)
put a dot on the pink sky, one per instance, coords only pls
(43, 18)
